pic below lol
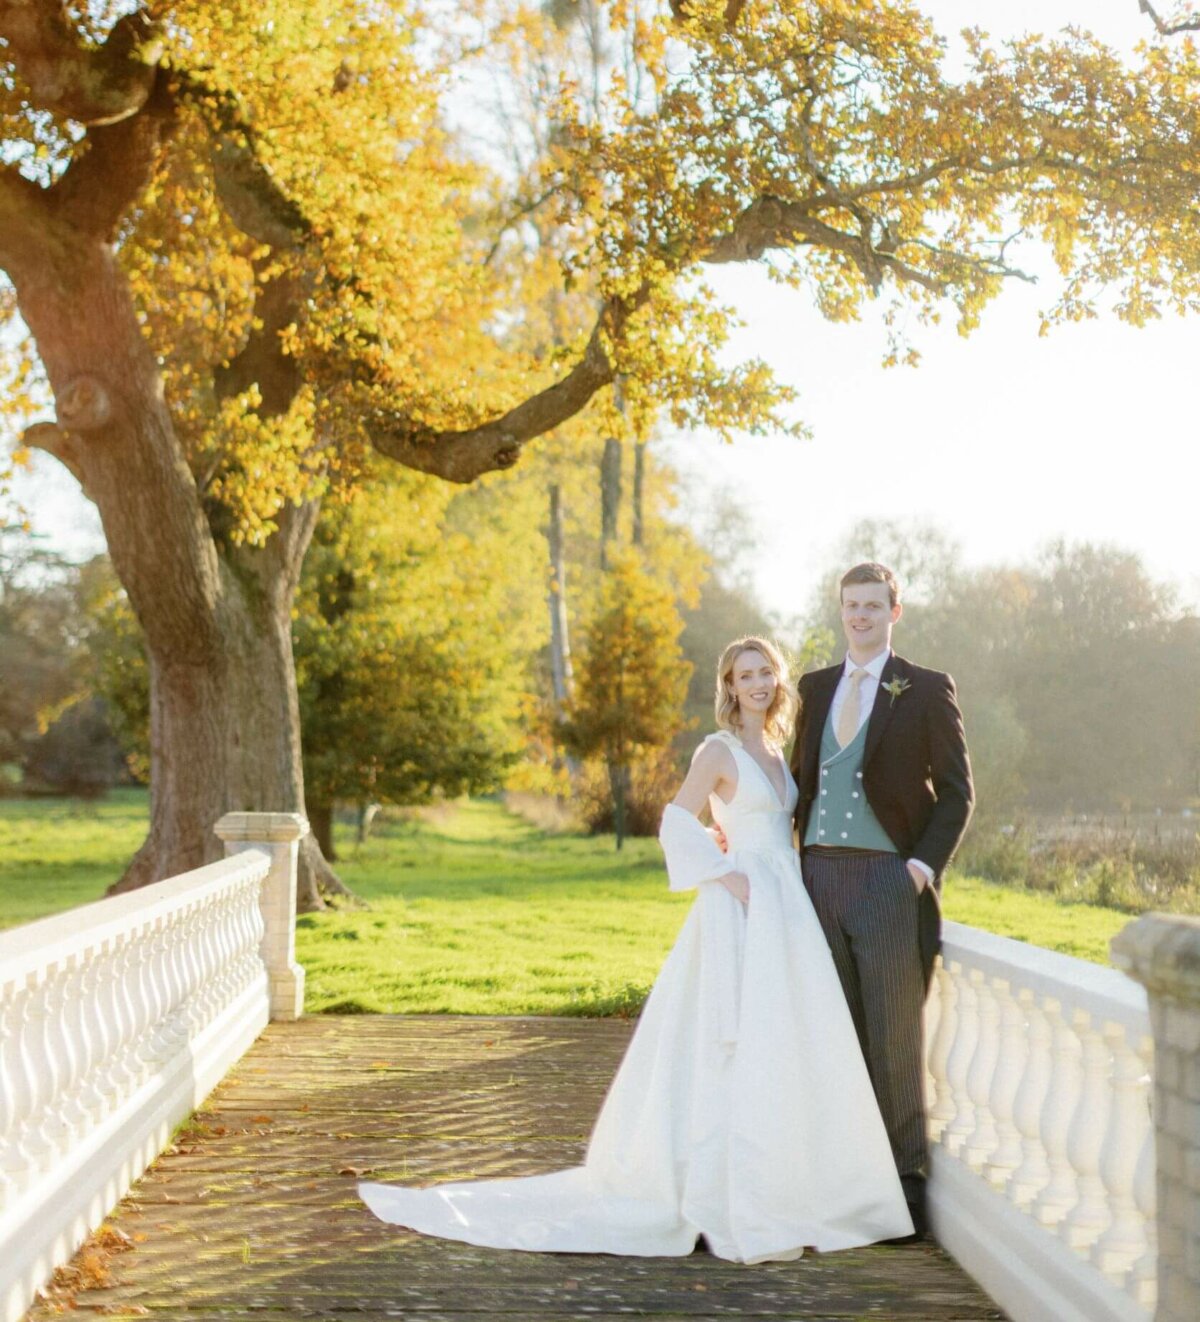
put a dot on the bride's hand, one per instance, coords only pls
(738, 885)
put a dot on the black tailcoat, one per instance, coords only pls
(916, 772)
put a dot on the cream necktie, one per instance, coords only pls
(847, 725)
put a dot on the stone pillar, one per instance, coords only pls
(277, 834)
(1163, 953)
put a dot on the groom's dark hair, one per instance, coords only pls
(870, 571)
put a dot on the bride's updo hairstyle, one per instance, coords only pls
(780, 714)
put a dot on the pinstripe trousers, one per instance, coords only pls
(867, 905)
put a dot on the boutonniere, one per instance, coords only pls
(896, 687)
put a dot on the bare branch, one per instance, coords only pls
(518, 214)
(93, 85)
(1165, 28)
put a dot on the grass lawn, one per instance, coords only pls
(472, 910)
(59, 853)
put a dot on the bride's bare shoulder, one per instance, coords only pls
(716, 749)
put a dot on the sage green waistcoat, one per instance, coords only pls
(840, 814)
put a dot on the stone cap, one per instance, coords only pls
(262, 827)
(1161, 951)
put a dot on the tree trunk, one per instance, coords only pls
(225, 728)
(639, 483)
(224, 716)
(320, 818)
(367, 812)
(610, 498)
(562, 672)
(618, 780)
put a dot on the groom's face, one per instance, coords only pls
(867, 617)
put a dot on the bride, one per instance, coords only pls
(742, 1111)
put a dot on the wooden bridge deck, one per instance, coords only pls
(253, 1214)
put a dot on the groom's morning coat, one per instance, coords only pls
(916, 772)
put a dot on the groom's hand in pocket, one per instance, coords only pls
(919, 879)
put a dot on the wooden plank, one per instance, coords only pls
(254, 1213)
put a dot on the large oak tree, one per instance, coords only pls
(246, 253)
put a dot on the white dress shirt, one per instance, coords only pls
(866, 700)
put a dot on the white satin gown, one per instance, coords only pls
(742, 1110)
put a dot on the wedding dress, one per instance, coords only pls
(742, 1110)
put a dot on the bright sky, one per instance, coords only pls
(1004, 440)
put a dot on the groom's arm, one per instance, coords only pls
(950, 772)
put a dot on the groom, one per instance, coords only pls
(885, 794)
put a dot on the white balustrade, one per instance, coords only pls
(1040, 1130)
(116, 1021)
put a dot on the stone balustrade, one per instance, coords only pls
(1043, 1157)
(116, 1020)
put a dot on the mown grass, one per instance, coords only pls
(59, 853)
(473, 910)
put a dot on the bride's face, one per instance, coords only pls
(754, 681)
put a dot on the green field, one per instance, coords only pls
(472, 909)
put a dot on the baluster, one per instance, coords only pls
(158, 1039)
(943, 1109)
(228, 938)
(143, 995)
(17, 1094)
(1010, 1068)
(74, 1053)
(97, 1094)
(210, 960)
(983, 1138)
(1143, 1278)
(931, 1017)
(133, 1067)
(1124, 1242)
(117, 1077)
(1032, 1175)
(166, 1028)
(175, 972)
(1062, 1098)
(252, 917)
(1090, 1216)
(966, 1039)
(45, 1044)
(192, 952)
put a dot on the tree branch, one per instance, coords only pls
(1166, 29)
(92, 85)
(462, 456)
(251, 195)
(50, 438)
(116, 165)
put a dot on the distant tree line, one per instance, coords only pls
(1076, 672)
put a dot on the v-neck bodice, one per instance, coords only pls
(756, 817)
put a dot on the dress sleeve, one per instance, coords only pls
(692, 854)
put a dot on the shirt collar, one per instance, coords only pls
(874, 668)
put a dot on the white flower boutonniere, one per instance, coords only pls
(896, 687)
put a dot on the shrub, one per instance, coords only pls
(654, 778)
(1110, 869)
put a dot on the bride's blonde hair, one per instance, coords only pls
(782, 712)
